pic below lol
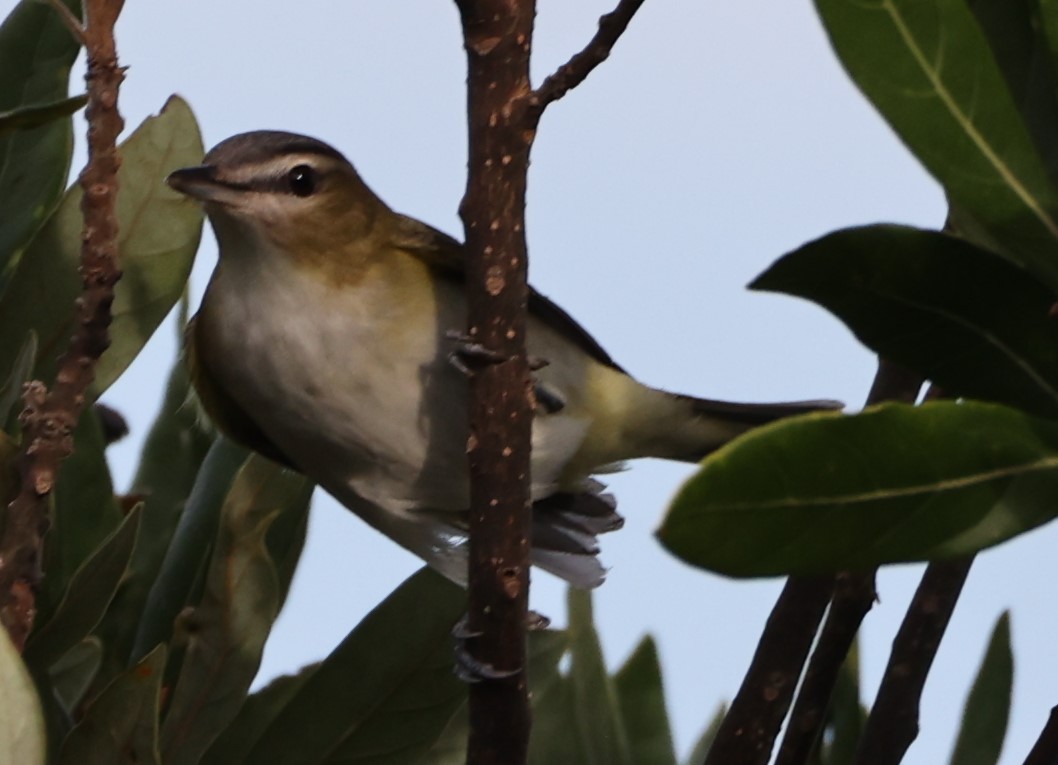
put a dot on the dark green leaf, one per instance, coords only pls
(554, 737)
(984, 720)
(597, 714)
(927, 67)
(22, 734)
(191, 545)
(36, 53)
(403, 695)
(121, 725)
(172, 454)
(73, 673)
(91, 589)
(826, 492)
(35, 115)
(227, 629)
(705, 741)
(641, 697)
(84, 513)
(1014, 31)
(11, 390)
(260, 709)
(158, 236)
(967, 320)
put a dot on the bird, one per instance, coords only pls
(324, 342)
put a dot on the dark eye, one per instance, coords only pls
(302, 180)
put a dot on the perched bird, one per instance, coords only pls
(323, 342)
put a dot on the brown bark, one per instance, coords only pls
(503, 112)
(49, 418)
(893, 722)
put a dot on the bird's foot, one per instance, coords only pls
(470, 355)
(472, 670)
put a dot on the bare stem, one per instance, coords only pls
(49, 418)
(747, 734)
(893, 722)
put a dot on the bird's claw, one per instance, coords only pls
(470, 355)
(471, 670)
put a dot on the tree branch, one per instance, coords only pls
(49, 419)
(1045, 750)
(893, 722)
(503, 112)
(854, 596)
(576, 70)
(748, 732)
(497, 37)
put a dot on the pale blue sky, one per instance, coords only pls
(716, 138)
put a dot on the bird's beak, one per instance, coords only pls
(201, 183)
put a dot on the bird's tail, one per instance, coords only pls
(699, 426)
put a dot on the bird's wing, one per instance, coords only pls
(448, 257)
(222, 409)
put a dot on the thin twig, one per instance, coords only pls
(1045, 750)
(576, 70)
(893, 722)
(49, 419)
(748, 732)
(854, 595)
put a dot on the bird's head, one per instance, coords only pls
(283, 192)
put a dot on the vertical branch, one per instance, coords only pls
(503, 112)
(893, 722)
(497, 39)
(49, 418)
(748, 732)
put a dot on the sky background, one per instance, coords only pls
(716, 138)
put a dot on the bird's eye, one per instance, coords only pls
(302, 180)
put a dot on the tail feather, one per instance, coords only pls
(711, 424)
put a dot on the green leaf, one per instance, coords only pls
(91, 589)
(641, 697)
(928, 68)
(22, 734)
(84, 513)
(11, 390)
(403, 694)
(259, 711)
(121, 725)
(987, 711)
(191, 545)
(35, 115)
(827, 492)
(967, 320)
(705, 741)
(172, 454)
(227, 629)
(597, 715)
(36, 53)
(72, 675)
(157, 239)
(1014, 30)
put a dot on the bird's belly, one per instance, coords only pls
(357, 395)
(360, 394)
